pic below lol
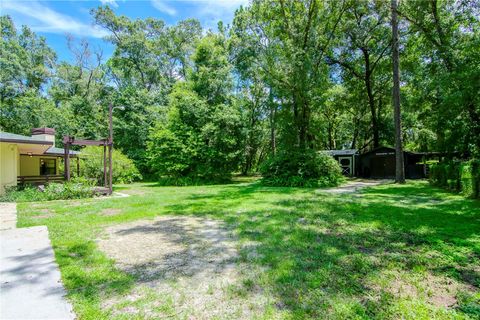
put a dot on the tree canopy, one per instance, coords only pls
(286, 77)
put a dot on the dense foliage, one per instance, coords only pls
(91, 166)
(287, 77)
(202, 133)
(457, 176)
(75, 189)
(308, 169)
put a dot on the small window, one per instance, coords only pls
(345, 162)
(47, 166)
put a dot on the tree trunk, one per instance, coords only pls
(371, 99)
(399, 166)
(273, 143)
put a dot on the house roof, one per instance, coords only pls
(346, 152)
(60, 151)
(18, 138)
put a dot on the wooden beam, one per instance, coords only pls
(81, 142)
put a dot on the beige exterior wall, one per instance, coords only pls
(30, 166)
(9, 165)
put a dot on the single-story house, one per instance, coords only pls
(30, 159)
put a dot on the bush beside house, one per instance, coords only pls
(77, 188)
(457, 176)
(91, 166)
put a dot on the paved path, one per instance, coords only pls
(30, 283)
(354, 185)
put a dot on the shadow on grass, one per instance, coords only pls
(88, 283)
(319, 250)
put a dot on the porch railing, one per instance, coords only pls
(40, 179)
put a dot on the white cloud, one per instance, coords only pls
(213, 11)
(219, 6)
(112, 3)
(44, 19)
(161, 6)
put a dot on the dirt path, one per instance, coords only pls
(353, 186)
(184, 267)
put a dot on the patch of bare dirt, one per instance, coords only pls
(111, 212)
(45, 214)
(436, 290)
(189, 265)
(136, 192)
(74, 203)
(354, 186)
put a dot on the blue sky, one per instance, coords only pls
(55, 19)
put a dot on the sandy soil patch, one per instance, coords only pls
(185, 267)
(136, 192)
(436, 290)
(111, 212)
(354, 186)
(44, 214)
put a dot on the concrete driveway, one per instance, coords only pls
(30, 283)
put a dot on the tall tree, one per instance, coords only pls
(443, 48)
(399, 165)
(289, 40)
(26, 66)
(202, 135)
(362, 48)
(149, 58)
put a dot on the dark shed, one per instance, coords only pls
(380, 164)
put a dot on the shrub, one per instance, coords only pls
(301, 169)
(457, 176)
(91, 166)
(75, 189)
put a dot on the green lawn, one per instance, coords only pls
(390, 252)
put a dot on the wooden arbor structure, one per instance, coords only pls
(69, 141)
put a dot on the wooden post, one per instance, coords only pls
(65, 156)
(78, 166)
(105, 182)
(110, 168)
(67, 159)
(110, 147)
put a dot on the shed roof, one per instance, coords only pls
(345, 152)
